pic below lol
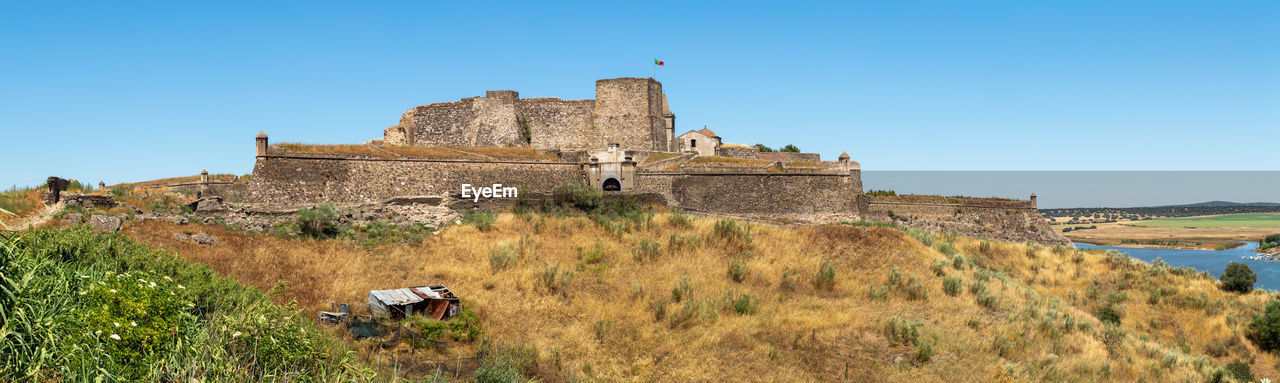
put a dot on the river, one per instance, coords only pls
(1213, 261)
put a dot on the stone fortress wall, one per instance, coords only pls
(631, 118)
(626, 111)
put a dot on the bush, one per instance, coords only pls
(1239, 370)
(951, 285)
(737, 270)
(733, 233)
(789, 149)
(744, 304)
(646, 249)
(924, 353)
(939, 267)
(556, 280)
(1108, 315)
(789, 277)
(483, 220)
(682, 290)
(500, 257)
(825, 278)
(900, 331)
(677, 243)
(1238, 278)
(319, 222)
(1264, 330)
(679, 220)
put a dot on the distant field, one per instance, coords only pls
(1229, 220)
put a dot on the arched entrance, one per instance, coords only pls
(611, 184)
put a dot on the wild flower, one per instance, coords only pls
(135, 324)
(153, 285)
(117, 324)
(182, 287)
(113, 291)
(236, 334)
(114, 336)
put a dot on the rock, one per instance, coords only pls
(73, 218)
(210, 220)
(209, 204)
(90, 200)
(104, 223)
(181, 237)
(176, 219)
(56, 186)
(203, 239)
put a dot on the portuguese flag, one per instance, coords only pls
(658, 62)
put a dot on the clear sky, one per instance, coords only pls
(128, 91)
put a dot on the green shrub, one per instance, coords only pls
(923, 354)
(1108, 314)
(556, 280)
(578, 196)
(682, 290)
(659, 309)
(319, 222)
(1264, 329)
(677, 243)
(987, 300)
(744, 304)
(482, 220)
(900, 331)
(732, 233)
(679, 220)
(1239, 370)
(825, 278)
(686, 316)
(978, 287)
(939, 267)
(915, 289)
(737, 270)
(945, 247)
(499, 364)
(951, 285)
(501, 256)
(1238, 277)
(646, 249)
(958, 261)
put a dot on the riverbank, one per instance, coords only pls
(1128, 234)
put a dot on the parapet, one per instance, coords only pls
(502, 94)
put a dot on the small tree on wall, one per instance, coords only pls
(764, 149)
(789, 149)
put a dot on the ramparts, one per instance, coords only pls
(1003, 219)
(631, 112)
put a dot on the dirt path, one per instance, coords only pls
(38, 218)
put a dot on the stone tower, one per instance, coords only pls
(630, 111)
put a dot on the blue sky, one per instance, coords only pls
(114, 92)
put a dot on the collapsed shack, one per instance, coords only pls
(434, 301)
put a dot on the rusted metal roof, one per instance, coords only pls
(396, 297)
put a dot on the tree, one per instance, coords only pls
(1238, 278)
(789, 149)
(1265, 328)
(764, 149)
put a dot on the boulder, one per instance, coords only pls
(73, 218)
(209, 204)
(104, 223)
(203, 239)
(181, 236)
(176, 219)
(210, 220)
(90, 200)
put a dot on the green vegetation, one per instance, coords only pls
(764, 149)
(482, 220)
(882, 193)
(1270, 242)
(789, 149)
(1238, 277)
(1264, 330)
(1228, 220)
(318, 222)
(81, 305)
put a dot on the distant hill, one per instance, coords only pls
(1222, 203)
(1187, 210)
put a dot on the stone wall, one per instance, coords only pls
(738, 151)
(821, 195)
(1008, 220)
(292, 180)
(559, 124)
(790, 157)
(626, 111)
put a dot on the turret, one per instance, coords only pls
(262, 144)
(844, 157)
(204, 176)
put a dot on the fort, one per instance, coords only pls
(623, 141)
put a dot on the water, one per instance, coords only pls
(1213, 261)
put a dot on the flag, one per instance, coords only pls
(658, 62)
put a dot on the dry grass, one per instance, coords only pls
(804, 164)
(799, 332)
(517, 153)
(659, 157)
(729, 161)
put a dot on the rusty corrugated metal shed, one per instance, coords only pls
(396, 296)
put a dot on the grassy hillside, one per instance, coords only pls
(667, 297)
(82, 306)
